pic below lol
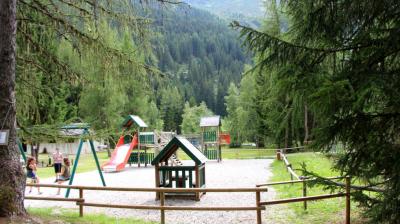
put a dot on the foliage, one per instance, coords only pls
(321, 211)
(242, 120)
(98, 64)
(75, 59)
(198, 54)
(341, 58)
(191, 117)
(171, 109)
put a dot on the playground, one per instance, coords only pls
(149, 160)
(228, 173)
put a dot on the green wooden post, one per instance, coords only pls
(71, 180)
(97, 162)
(21, 149)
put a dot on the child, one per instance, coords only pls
(58, 159)
(31, 173)
(65, 173)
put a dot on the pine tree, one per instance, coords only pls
(347, 55)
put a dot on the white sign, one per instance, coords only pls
(4, 137)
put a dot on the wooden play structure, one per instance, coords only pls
(210, 137)
(124, 150)
(133, 145)
(190, 174)
(153, 139)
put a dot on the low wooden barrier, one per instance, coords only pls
(81, 202)
(289, 166)
(306, 198)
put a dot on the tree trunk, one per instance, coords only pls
(287, 135)
(12, 178)
(305, 124)
(33, 155)
(37, 145)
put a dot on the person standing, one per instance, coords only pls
(31, 170)
(58, 159)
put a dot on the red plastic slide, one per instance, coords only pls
(120, 156)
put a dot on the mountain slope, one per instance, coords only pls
(199, 53)
(245, 11)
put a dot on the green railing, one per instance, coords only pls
(182, 176)
(145, 158)
(210, 136)
(211, 154)
(146, 139)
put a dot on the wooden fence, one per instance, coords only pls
(81, 202)
(289, 167)
(258, 207)
(297, 179)
(306, 198)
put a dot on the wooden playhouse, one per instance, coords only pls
(190, 174)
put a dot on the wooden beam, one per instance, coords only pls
(300, 199)
(175, 208)
(53, 199)
(160, 189)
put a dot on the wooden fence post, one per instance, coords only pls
(348, 183)
(162, 202)
(304, 193)
(80, 203)
(258, 198)
(289, 166)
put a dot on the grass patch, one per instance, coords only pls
(239, 153)
(49, 215)
(322, 211)
(86, 163)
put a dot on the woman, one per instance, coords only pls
(31, 170)
(65, 173)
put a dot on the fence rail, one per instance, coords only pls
(81, 202)
(305, 198)
(289, 166)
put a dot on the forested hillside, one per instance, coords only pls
(199, 54)
(249, 12)
(170, 54)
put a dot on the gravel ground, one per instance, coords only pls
(228, 173)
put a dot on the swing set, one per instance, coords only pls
(83, 138)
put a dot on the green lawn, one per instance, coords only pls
(86, 163)
(240, 153)
(48, 215)
(322, 211)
